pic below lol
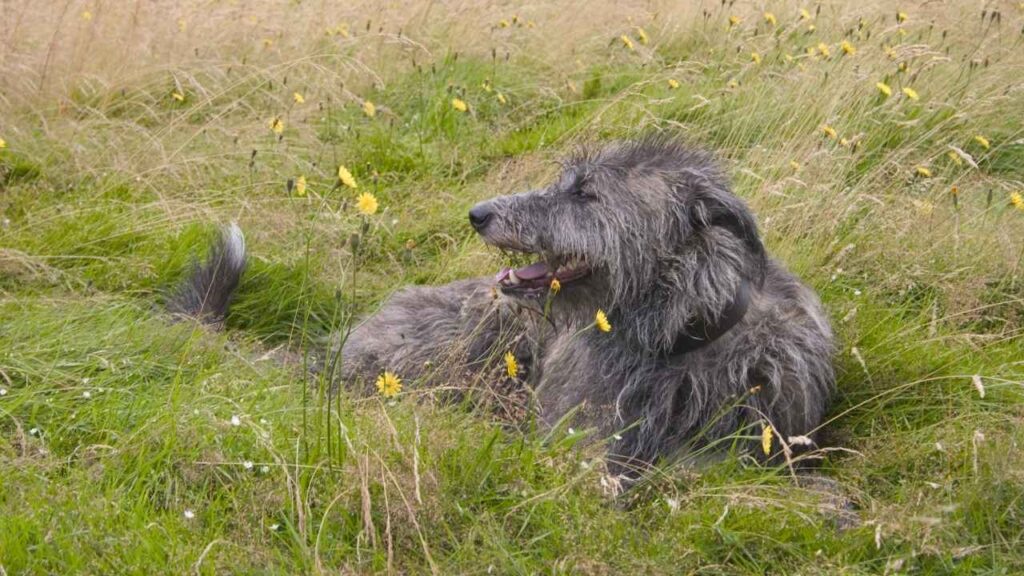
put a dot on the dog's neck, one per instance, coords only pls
(701, 331)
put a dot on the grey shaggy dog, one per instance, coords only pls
(711, 340)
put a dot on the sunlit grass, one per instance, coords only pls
(880, 148)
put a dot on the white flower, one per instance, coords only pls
(248, 464)
(3, 391)
(189, 514)
(275, 527)
(236, 421)
(86, 394)
(264, 469)
(35, 432)
(571, 431)
(617, 437)
(673, 504)
(264, 421)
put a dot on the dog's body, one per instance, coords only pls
(710, 340)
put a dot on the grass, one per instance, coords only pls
(131, 444)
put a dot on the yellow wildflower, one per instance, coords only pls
(366, 204)
(503, 24)
(955, 158)
(673, 83)
(804, 14)
(770, 18)
(923, 172)
(766, 439)
(369, 109)
(641, 36)
(910, 93)
(277, 126)
(1017, 200)
(890, 52)
(178, 96)
(902, 67)
(823, 49)
(298, 98)
(733, 20)
(459, 105)
(848, 48)
(627, 42)
(501, 99)
(300, 186)
(794, 164)
(346, 177)
(555, 286)
(389, 385)
(3, 144)
(844, 142)
(733, 83)
(902, 32)
(811, 27)
(268, 42)
(182, 25)
(755, 57)
(982, 141)
(486, 85)
(884, 89)
(87, 16)
(829, 131)
(601, 321)
(901, 17)
(511, 366)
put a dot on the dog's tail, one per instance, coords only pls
(206, 292)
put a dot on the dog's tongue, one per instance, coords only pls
(533, 271)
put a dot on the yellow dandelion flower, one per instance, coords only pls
(673, 83)
(848, 48)
(811, 27)
(627, 42)
(178, 96)
(641, 36)
(982, 141)
(369, 109)
(298, 98)
(766, 439)
(511, 366)
(755, 57)
(733, 83)
(87, 16)
(601, 321)
(3, 143)
(824, 50)
(182, 25)
(804, 14)
(794, 164)
(910, 93)
(486, 85)
(555, 285)
(890, 53)
(902, 67)
(829, 131)
(268, 42)
(342, 30)
(366, 204)
(503, 24)
(770, 18)
(901, 17)
(902, 32)
(844, 142)
(884, 88)
(460, 105)
(389, 385)
(346, 177)
(923, 172)
(734, 20)
(955, 158)
(501, 99)
(277, 126)
(300, 186)
(1017, 200)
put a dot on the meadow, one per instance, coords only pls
(880, 145)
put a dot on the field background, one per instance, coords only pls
(130, 130)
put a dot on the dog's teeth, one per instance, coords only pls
(512, 278)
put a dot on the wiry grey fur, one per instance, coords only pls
(206, 293)
(668, 246)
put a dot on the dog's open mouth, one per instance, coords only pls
(536, 278)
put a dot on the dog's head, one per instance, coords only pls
(638, 228)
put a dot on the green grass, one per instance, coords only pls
(132, 444)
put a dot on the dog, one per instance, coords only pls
(704, 342)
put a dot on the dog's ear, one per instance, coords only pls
(724, 210)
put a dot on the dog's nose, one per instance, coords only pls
(479, 216)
